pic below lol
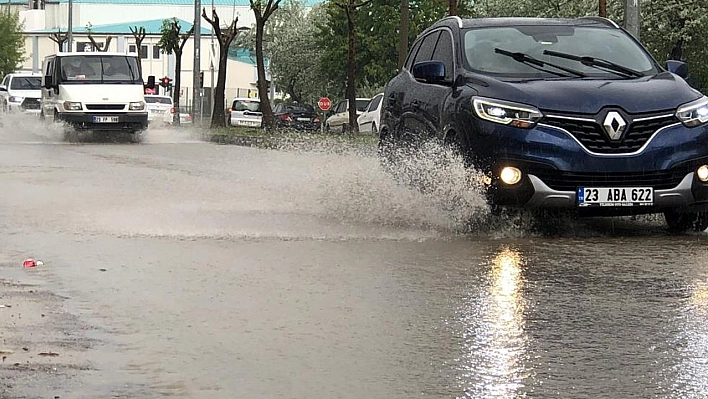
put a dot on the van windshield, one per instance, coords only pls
(100, 69)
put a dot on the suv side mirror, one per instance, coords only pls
(429, 72)
(48, 81)
(680, 68)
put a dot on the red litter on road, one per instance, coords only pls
(32, 263)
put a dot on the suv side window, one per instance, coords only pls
(443, 52)
(425, 53)
(411, 55)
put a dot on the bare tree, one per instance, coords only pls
(59, 38)
(263, 9)
(225, 37)
(139, 35)
(96, 45)
(173, 41)
(350, 9)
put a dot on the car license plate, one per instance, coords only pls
(249, 123)
(615, 196)
(303, 119)
(105, 119)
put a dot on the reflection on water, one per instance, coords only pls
(692, 372)
(495, 342)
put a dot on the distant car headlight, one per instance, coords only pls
(72, 106)
(15, 99)
(694, 113)
(506, 113)
(136, 106)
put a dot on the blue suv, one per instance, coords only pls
(559, 114)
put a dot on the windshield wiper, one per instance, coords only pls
(597, 63)
(527, 59)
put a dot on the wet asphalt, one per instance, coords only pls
(183, 269)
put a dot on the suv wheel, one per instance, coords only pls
(682, 222)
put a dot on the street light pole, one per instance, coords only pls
(632, 17)
(196, 67)
(70, 28)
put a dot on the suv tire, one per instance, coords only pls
(682, 222)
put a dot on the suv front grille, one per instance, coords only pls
(592, 136)
(569, 181)
(105, 107)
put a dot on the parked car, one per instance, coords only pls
(20, 92)
(370, 120)
(185, 118)
(160, 109)
(245, 112)
(296, 116)
(560, 113)
(339, 120)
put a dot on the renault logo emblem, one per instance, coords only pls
(614, 125)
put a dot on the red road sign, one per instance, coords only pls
(325, 104)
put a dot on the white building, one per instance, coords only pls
(114, 19)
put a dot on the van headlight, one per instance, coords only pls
(694, 113)
(136, 106)
(72, 106)
(506, 113)
(15, 99)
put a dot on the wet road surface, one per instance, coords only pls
(178, 268)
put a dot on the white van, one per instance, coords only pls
(94, 91)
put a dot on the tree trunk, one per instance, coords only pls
(602, 8)
(452, 7)
(176, 87)
(351, 70)
(403, 34)
(218, 118)
(268, 122)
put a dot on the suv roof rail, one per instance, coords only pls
(602, 20)
(454, 17)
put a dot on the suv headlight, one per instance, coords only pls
(506, 113)
(72, 106)
(694, 113)
(136, 106)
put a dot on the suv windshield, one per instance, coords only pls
(611, 45)
(26, 83)
(104, 68)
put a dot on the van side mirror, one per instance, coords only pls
(3, 88)
(48, 81)
(680, 68)
(429, 72)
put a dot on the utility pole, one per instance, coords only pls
(70, 28)
(631, 17)
(197, 66)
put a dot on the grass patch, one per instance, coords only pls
(278, 139)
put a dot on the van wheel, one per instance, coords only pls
(345, 128)
(682, 222)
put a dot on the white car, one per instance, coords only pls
(245, 112)
(339, 121)
(370, 120)
(21, 92)
(160, 109)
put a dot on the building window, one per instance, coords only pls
(143, 51)
(155, 53)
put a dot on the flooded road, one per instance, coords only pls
(177, 268)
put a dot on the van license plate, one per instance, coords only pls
(615, 196)
(105, 119)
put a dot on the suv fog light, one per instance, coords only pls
(511, 175)
(702, 173)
